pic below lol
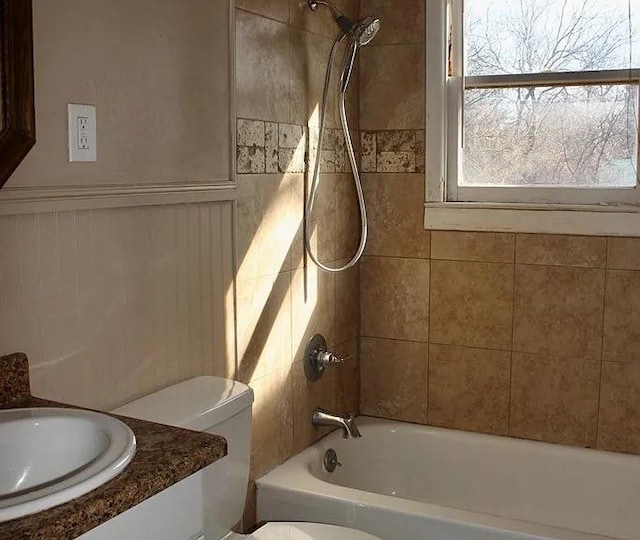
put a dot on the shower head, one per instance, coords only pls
(361, 32)
(365, 30)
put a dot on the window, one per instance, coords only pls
(541, 101)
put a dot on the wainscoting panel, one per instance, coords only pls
(112, 303)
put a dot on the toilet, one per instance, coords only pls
(222, 406)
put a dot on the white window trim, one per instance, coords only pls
(564, 215)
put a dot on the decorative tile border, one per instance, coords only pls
(270, 147)
(393, 151)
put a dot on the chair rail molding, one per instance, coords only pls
(31, 200)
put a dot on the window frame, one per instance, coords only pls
(444, 123)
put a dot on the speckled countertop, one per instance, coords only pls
(164, 456)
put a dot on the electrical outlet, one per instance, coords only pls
(82, 133)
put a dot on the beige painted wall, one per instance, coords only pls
(112, 303)
(158, 73)
(532, 336)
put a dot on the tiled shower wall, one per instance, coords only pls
(281, 54)
(534, 336)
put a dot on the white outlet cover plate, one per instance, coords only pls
(82, 145)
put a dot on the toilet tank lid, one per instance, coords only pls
(197, 404)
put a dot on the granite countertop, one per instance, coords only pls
(164, 456)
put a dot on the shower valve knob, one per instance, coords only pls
(328, 358)
(317, 358)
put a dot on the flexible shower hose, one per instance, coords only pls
(344, 83)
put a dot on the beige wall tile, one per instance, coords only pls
(250, 160)
(262, 68)
(554, 399)
(306, 397)
(392, 87)
(274, 9)
(264, 325)
(624, 253)
(558, 310)
(394, 299)
(393, 379)
(368, 151)
(552, 249)
(622, 317)
(269, 223)
(420, 151)
(272, 425)
(396, 162)
(471, 304)
(290, 135)
(323, 219)
(397, 140)
(250, 132)
(619, 416)
(271, 150)
(472, 246)
(403, 21)
(347, 214)
(469, 389)
(347, 318)
(313, 298)
(309, 57)
(348, 378)
(395, 208)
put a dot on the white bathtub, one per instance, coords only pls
(404, 482)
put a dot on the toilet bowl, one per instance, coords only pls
(223, 407)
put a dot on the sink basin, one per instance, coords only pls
(49, 456)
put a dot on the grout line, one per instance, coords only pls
(363, 336)
(405, 257)
(287, 23)
(247, 10)
(493, 262)
(392, 130)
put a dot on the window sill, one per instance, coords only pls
(526, 218)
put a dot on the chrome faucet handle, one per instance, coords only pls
(328, 358)
(317, 358)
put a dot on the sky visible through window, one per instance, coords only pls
(565, 136)
(541, 35)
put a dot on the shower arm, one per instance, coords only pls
(313, 5)
(345, 24)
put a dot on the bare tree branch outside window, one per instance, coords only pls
(551, 135)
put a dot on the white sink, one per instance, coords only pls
(49, 456)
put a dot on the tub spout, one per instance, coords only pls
(350, 430)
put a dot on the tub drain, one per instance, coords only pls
(330, 460)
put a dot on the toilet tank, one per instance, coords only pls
(214, 405)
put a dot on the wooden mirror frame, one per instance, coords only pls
(18, 133)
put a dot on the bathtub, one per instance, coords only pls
(403, 482)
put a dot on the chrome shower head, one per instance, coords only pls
(361, 32)
(365, 30)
